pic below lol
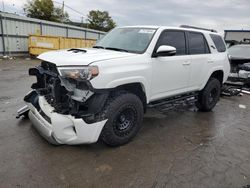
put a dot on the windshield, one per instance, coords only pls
(242, 51)
(135, 40)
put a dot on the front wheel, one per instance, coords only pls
(124, 112)
(209, 96)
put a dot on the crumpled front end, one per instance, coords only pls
(64, 110)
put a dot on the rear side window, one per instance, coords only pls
(175, 39)
(218, 41)
(197, 44)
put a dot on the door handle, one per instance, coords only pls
(186, 63)
(210, 61)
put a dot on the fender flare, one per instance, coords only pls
(130, 80)
(218, 68)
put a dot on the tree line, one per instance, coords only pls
(45, 10)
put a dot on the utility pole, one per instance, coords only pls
(7, 35)
(14, 8)
(82, 21)
(62, 10)
(3, 5)
(63, 6)
(87, 23)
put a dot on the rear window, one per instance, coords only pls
(197, 44)
(219, 43)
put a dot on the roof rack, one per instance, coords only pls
(200, 28)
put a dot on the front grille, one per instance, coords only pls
(49, 85)
(57, 95)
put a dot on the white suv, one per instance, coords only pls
(82, 95)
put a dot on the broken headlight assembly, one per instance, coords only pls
(79, 73)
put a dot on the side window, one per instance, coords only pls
(218, 41)
(197, 44)
(175, 39)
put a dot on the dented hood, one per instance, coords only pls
(81, 56)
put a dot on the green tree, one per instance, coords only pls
(60, 16)
(100, 20)
(45, 10)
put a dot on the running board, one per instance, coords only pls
(174, 102)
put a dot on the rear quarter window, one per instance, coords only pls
(219, 43)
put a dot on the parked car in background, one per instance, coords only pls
(239, 53)
(240, 63)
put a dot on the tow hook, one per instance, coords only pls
(22, 111)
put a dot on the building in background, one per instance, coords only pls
(15, 31)
(236, 36)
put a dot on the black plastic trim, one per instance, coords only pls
(97, 102)
(32, 98)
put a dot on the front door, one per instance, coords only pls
(170, 73)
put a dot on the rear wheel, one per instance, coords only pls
(209, 96)
(124, 112)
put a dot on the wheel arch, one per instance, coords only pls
(217, 73)
(136, 88)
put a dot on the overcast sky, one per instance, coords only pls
(217, 14)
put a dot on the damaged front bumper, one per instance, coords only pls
(64, 110)
(58, 128)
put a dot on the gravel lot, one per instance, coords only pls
(176, 149)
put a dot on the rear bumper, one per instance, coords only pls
(62, 129)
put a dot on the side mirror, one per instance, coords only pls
(165, 50)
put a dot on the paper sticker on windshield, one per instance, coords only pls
(148, 31)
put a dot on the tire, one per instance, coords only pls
(209, 96)
(124, 112)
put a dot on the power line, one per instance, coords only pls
(12, 9)
(63, 5)
(70, 8)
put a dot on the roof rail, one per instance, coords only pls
(200, 28)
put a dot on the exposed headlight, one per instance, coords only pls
(79, 73)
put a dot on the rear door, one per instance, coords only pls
(201, 56)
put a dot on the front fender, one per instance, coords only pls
(129, 70)
(130, 80)
(127, 80)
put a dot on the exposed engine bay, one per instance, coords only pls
(239, 77)
(67, 96)
(240, 70)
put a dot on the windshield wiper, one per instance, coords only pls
(116, 49)
(101, 47)
(110, 48)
